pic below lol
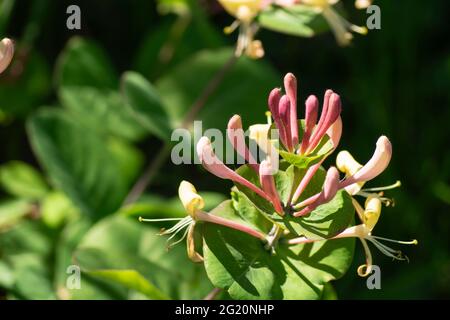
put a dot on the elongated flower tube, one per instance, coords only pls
(332, 114)
(266, 172)
(311, 114)
(274, 104)
(376, 165)
(363, 231)
(285, 115)
(236, 136)
(330, 188)
(193, 204)
(6, 53)
(213, 164)
(335, 133)
(290, 86)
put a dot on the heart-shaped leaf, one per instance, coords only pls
(102, 109)
(84, 63)
(326, 221)
(240, 264)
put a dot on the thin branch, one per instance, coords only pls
(152, 169)
(213, 294)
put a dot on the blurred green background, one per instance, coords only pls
(61, 112)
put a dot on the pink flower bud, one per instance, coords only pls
(285, 114)
(330, 187)
(274, 102)
(331, 184)
(326, 102)
(290, 85)
(237, 138)
(311, 113)
(333, 112)
(335, 132)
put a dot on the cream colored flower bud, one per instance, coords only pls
(362, 4)
(372, 212)
(260, 134)
(347, 164)
(191, 200)
(243, 10)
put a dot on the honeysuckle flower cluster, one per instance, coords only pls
(6, 53)
(303, 140)
(246, 12)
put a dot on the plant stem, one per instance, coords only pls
(148, 175)
(152, 169)
(213, 294)
(208, 91)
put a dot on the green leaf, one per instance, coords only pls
(27, 237)
(144, 100)
(329, 293)
(78, 162)
(28, 89)
(6, 275)
(56, 208)
(240, 264)
(144, 252)
(21, 180)
(283, 180)
(172, 40)
(129, 158)
(239, 92)
(247, 211)
(12, 211)
(131, 279)
(327, 220)
(32, 278)
(153, 206)
(84, 63)
(298, 20)
(103, 110)
(323, 150)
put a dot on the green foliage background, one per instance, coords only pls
(67, 109)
